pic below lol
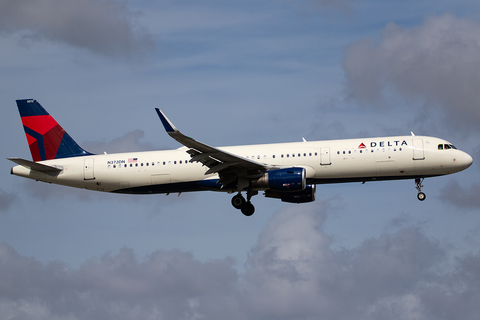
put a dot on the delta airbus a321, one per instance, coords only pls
(286, 171)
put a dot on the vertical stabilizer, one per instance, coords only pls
(46, 138)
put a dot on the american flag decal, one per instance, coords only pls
(132, 160)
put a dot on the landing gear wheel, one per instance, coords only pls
(421, 196)
(418, 185)
(248, 209)
(238, 201)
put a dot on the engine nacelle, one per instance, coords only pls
(307, 195)
(283, 180)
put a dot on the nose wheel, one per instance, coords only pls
(239, 202)
(418, 185)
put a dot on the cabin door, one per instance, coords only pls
(418, 151)
(88, 169)
(325, 156)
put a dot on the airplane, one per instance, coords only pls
(285, 171)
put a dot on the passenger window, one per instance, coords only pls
(310, 154)
(349, 152)
(288, 155)
(440, 146)
(131, 165)
(304, 154)
(293, 155)
(360, 151)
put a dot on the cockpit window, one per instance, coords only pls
(446, 146)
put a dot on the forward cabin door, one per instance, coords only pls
(418, 152)
(325, 156)
(88, 169)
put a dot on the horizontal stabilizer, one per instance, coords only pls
(35, 166)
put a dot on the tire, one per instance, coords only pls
(421, 196)
(248, 209)
(238, 201)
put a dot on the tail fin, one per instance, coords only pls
(46, 138)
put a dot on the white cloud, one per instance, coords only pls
(102, 26)
(438, 62)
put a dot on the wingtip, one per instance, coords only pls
(169, 127)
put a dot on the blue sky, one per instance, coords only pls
(241, 72)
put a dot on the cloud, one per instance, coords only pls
(6, 200)
(291, 273)
(166, 285)
(461, 197)
(102, 26)
(437, 62)
(129, 142)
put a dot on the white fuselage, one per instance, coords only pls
(388, 158)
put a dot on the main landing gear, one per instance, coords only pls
(245, 206)
(418, 185)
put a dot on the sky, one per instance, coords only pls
(241, 72)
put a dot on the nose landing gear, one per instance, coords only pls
(418, 185)
(239, 202)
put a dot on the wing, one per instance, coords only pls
(35, 166)
(229, 166)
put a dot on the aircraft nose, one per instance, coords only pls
(467, 160)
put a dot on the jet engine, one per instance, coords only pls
(306, 195)
(283, 180)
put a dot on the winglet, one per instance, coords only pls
(169, 127)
